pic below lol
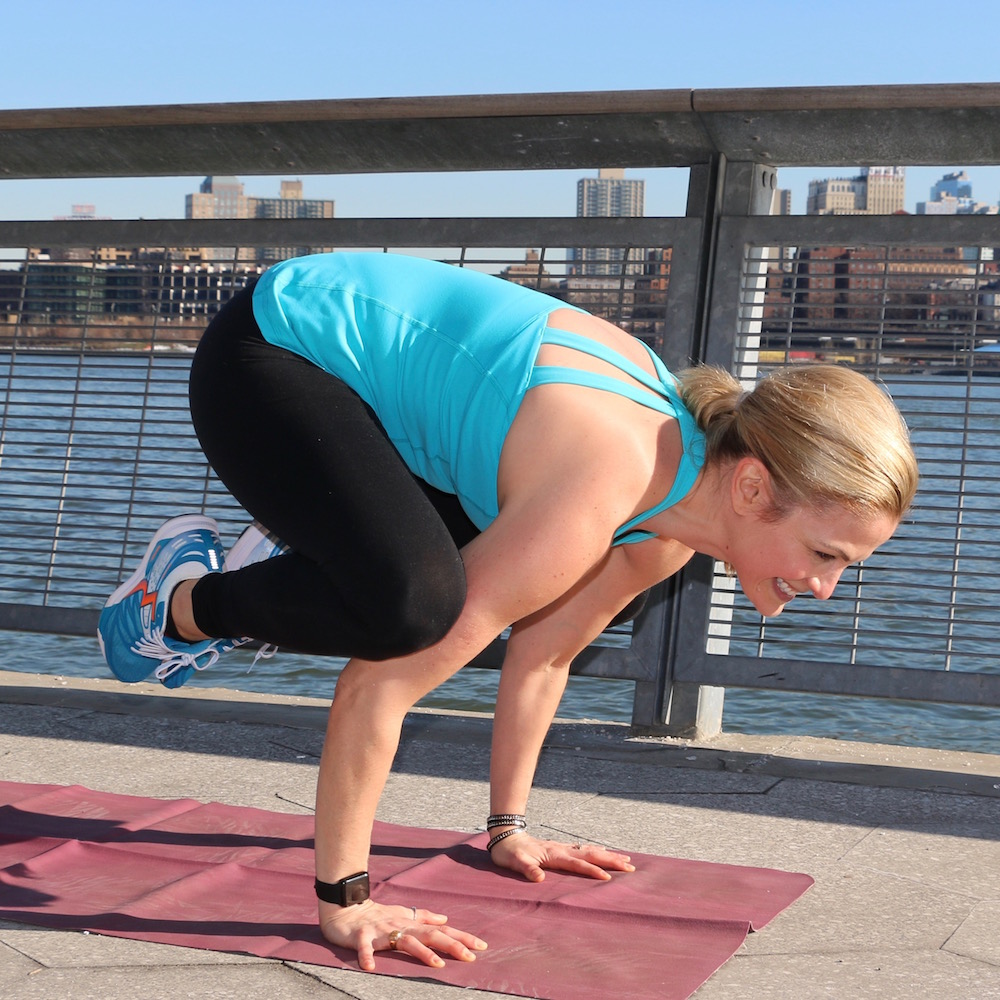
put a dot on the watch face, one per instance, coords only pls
(356, 889)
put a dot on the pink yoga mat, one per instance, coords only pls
(234, 879)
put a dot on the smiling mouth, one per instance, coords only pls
(784, 588)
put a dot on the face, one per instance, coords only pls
(803, 553)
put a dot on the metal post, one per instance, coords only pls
(720, 189)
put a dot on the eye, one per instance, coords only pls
(824, 556)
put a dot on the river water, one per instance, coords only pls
(871, 720)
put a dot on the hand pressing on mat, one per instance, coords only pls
(369, 927)
(530, 857)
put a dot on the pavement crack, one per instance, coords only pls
(295, 802)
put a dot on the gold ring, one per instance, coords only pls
(394, 937)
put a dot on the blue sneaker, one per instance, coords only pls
(130, 629)
(254, 545)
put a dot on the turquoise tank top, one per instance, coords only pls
(444, 356)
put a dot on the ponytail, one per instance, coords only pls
(826, 434)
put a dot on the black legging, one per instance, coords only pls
(375, 569)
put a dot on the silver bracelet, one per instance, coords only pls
(503, 836)
(506, 819)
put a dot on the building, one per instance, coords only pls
(875, 191)
(104, 255)
(82, 213)
(853, 292)
(955, 185)
(609, 195)
(952, 195)
(217, 198)
(224, 198)
(532, 273)
(290, 204)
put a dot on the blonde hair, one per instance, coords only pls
(826, 434)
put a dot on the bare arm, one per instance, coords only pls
(520, 564)
(535, 670)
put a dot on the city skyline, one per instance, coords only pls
(544, 192)
(227, 52)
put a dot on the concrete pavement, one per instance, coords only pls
(903, 843)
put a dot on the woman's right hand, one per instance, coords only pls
(369, 927)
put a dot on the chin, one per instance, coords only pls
(768, 607)
(770, 610)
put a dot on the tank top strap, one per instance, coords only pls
(663, 396)
(554, 375)
(574, 341)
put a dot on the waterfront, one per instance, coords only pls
(954, 727)
(44, 417)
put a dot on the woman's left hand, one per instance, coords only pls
(530, 857)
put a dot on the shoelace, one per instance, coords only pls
(171, 660)
(266, 651)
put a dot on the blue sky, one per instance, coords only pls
(69, 53)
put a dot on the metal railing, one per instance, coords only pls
(95, 442)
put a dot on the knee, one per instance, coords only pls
(416, 612)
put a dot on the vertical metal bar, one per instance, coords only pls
(740, 190)
(955, 573)
(68, 455)
(140, 433)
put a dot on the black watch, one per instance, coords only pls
(346, 892)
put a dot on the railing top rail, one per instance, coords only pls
(799, 126)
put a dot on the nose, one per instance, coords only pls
(823, 586)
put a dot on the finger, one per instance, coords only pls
(600, 856)
(425, 916)
(469, 940)
(612, 860)
(531, 871)
(579, 866)
(366, 953)
(424, 945)
(409, 944)
(450, 941)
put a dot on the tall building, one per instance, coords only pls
(956, 185)
(609, 195)
(217, 198)
(952, 195)
(289, 205)
(224, 198)
(875, 191)
(781, 203)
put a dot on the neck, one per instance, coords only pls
(702, 520)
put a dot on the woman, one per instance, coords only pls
(443, 455)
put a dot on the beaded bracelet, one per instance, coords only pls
(503, 836)
(506, 819)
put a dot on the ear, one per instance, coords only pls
(750, 488)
